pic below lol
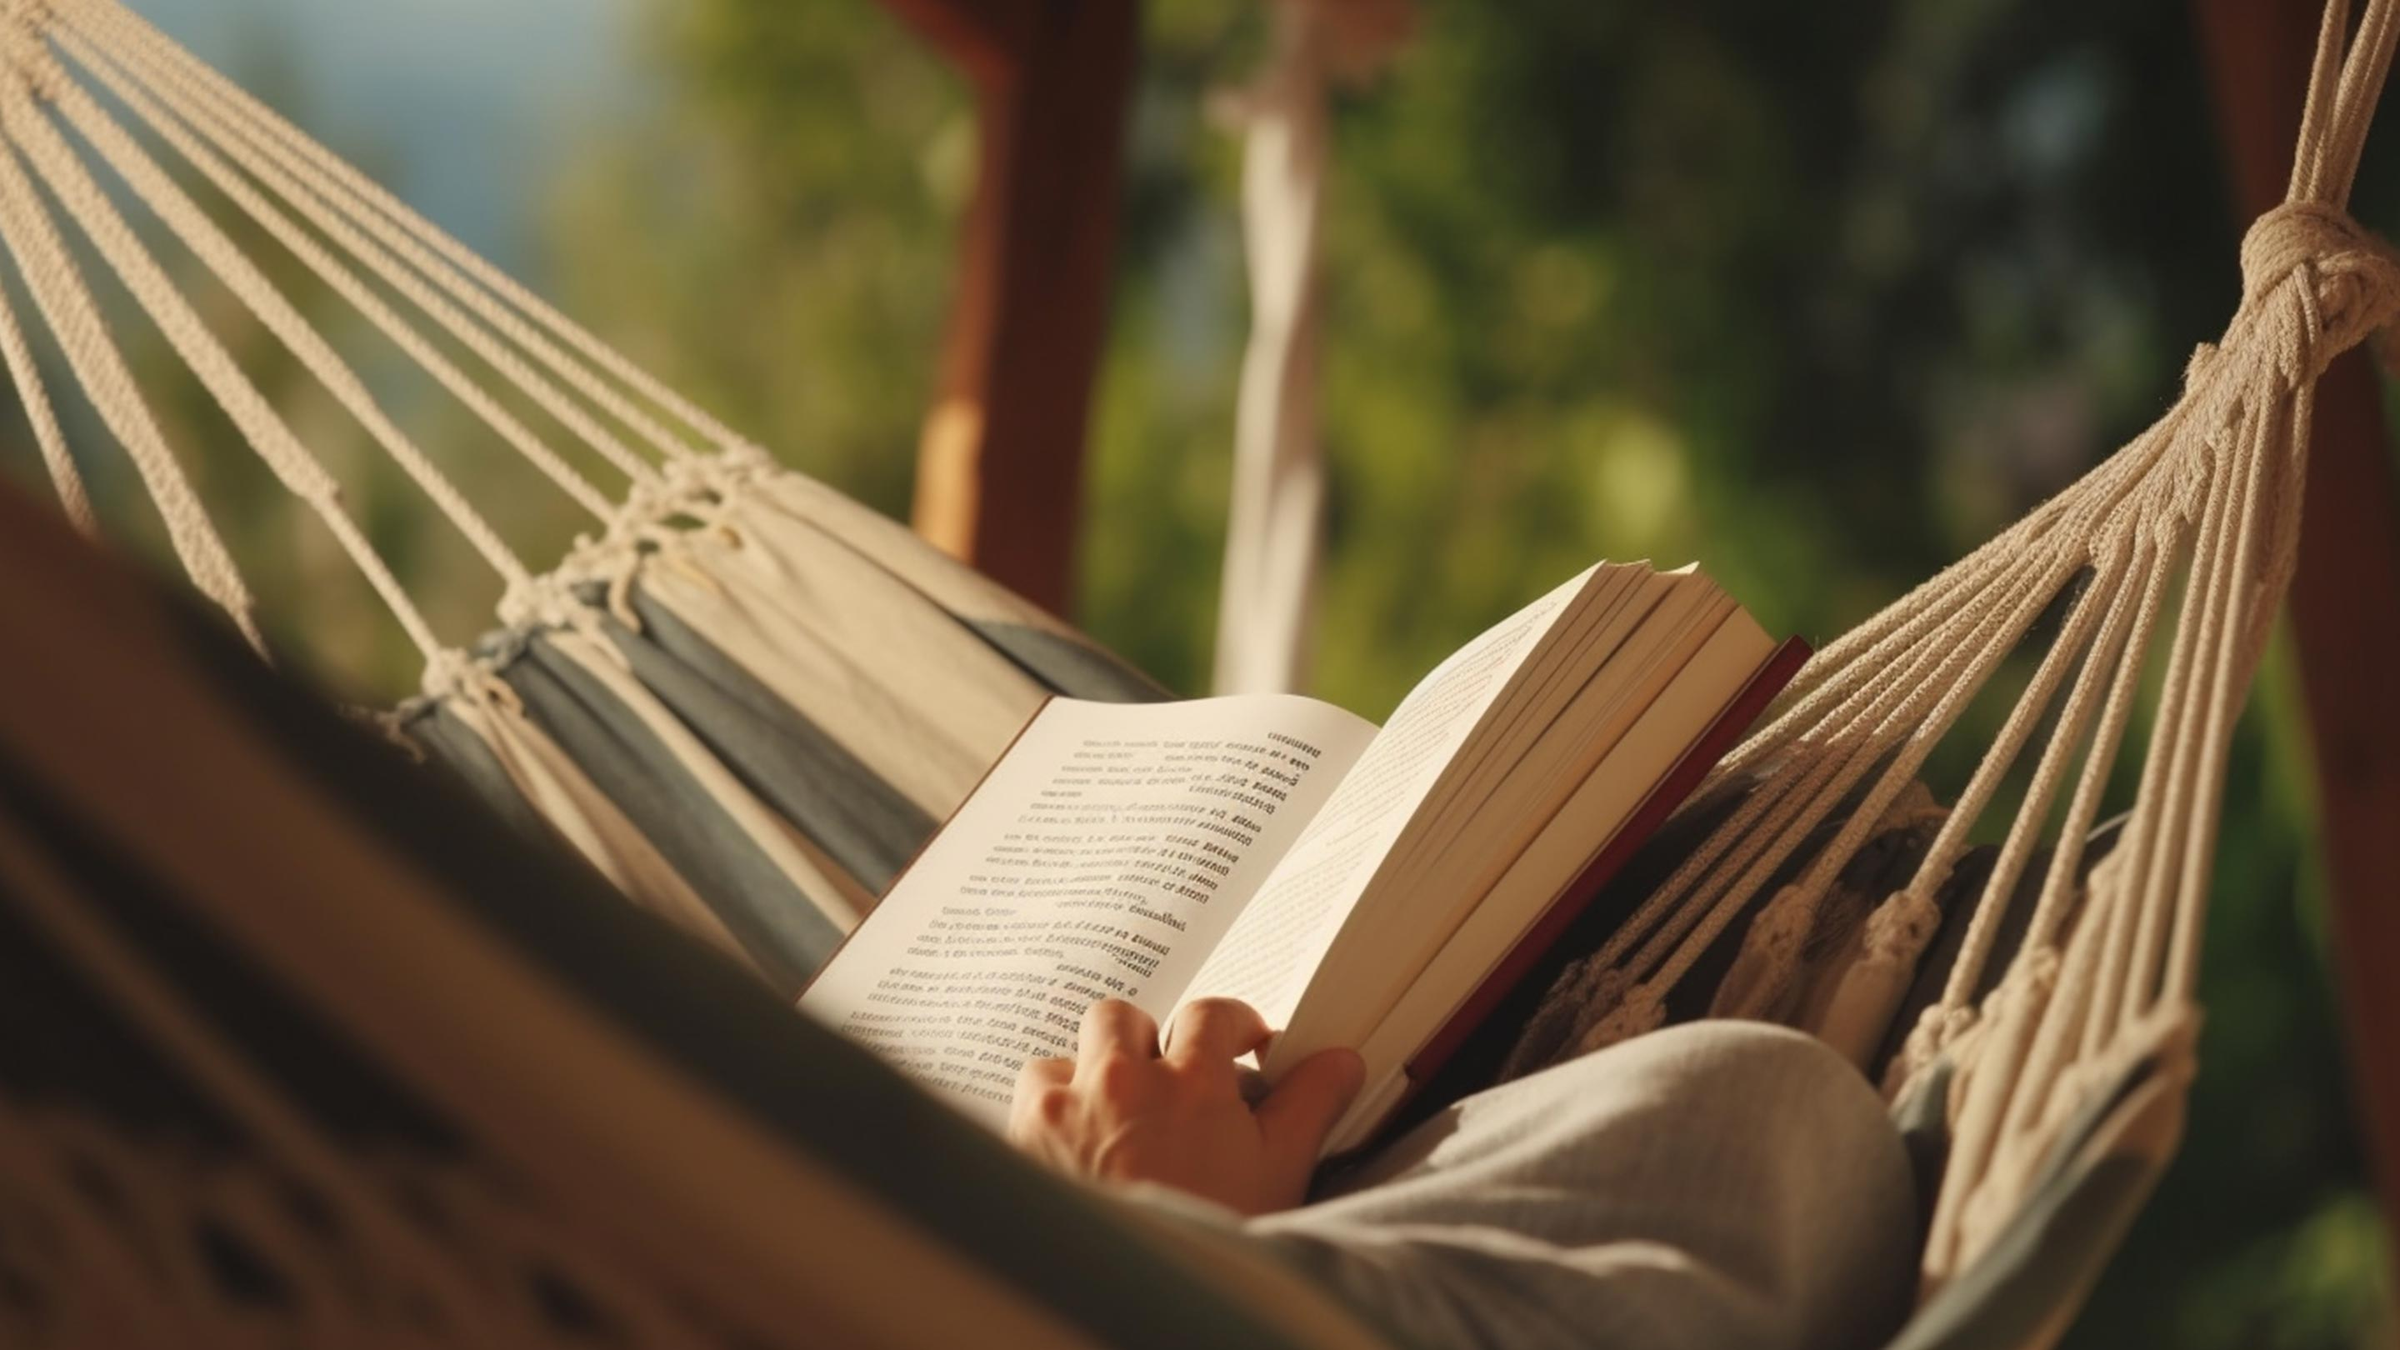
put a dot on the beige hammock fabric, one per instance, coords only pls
(2183, 540)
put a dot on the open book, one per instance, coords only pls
(1376, 889)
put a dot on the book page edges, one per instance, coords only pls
(1712, 745)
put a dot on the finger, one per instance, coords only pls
(1114, 1027)
(1301, 1111)
(1042, 1073)
(1214, 1031)
(1029, 1105)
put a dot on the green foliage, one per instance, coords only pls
(775, 239)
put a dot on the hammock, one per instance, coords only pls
(330, 1043)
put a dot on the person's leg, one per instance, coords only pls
(1712, 1186)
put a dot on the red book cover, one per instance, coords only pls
(1669, 793)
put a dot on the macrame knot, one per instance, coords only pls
(2353, 287)
(550, 603)
(2041, 966)
(2290, 237)
(1902, 925)
(698, 479)
(1762, 972)
(1642, 1012)
(447, 673)
(1784, 923)
(1938, 1028)
(654, 501)
(1946, 1025)
(1605, 989)
(454, 675)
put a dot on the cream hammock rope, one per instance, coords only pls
(2181, 543)
(838, 614)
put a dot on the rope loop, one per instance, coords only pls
(690, 487)
(454, 675)
(1938, 1028)
(639, 533)
(1902, 926)
(2291, 237)
(2350, 284)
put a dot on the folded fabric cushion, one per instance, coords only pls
(1721, 1185)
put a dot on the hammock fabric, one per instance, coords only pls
(335, 1054)
(748, 720)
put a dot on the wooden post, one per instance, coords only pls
(2345, 598)
(1000, 465)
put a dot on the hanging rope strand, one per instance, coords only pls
(2363, 73)
(31, 134)
(202, 117)
(499, 301)
(1858, 1013)
(2105, 659)
(59, 294)
(2165, 815)
(2074, 651)
(1846, 733)
(26, 373)
(2324, 77)
(264, 300)
(344, 282)
(2228, 677)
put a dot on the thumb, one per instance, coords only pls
(1302, 1109)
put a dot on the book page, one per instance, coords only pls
(1266, 959)
(1105, 856)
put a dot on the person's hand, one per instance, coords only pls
(1123, 1111)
